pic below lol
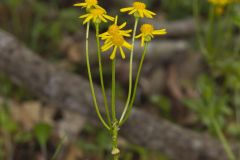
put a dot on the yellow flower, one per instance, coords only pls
(220, 2)
(139, 10)
(88, 4)
(116, 41)
(148, 32)
(97, 15)
(115, 29)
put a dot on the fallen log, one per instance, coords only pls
(166, 50)
(71, 92)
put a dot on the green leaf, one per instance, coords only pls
(42, 132)
(6, 122)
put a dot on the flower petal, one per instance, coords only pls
(127, 45)
(87, 19)
(108, 17)
(141, 13)
(150, 12)
(122, 25)
(80, 4)
(126, 9)
(102, 18)
(97, 6)
(159, 32)
(113, 55)
(138, 36)
(133, 11)
(83, 16)
(147, 14)
(122, 53)
(116, 19)
(106, 47)
(103, 34)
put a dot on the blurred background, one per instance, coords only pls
(190, 80)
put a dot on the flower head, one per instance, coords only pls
(116, 41)
(115, 29)
(88, 4)
(139, 10)
(221, 2)
(148, 32)
(97, 15)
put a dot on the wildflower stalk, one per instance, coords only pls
(115, 150)
(207, 51)
(114, 129)
(115, 38)
(130, 72)
(136, 84)
(198, 30)
(224, 142)
(211, 30)
(90, 80)
(101, 74)
(113, 91)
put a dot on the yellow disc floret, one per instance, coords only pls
(114, 29)
(92, 2)
(138, 9)
(139, 5)
(148, 32)
(97, 11)
(116, 41)
(146, 29)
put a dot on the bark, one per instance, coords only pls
(166, 50)
(69, 91)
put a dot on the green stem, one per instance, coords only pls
(130, 71)
(101, 74)
(58, 149)
(198, 30)
(115, 150)
(224, 142)
(44, 151)
(91, 81)
(113, 90)
(211, 30)
(114, 128)
(135, 85)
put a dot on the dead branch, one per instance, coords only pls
(69, 91)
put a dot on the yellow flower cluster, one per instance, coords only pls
(115, 36)
(94, 12)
